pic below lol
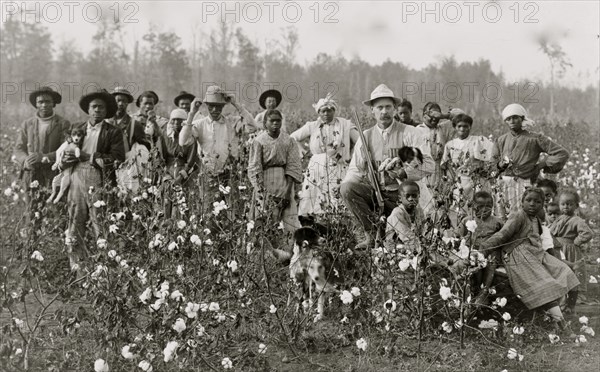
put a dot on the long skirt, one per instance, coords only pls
(573, 254)
(321, 186)
(536, 276)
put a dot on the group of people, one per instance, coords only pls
(394, 171)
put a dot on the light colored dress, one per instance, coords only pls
(330, 147)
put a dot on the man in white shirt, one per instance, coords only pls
(381, 140)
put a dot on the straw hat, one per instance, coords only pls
(382, 91)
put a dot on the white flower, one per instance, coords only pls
(218, 207)
(445, 292)
(99, 204)
(169, 350)
(176, 295)
(471, 225)
(463, 250)
(233, 265)
(208, 242)
(404, 264)
(512, 353)
(101, 243)
(553, 338)
(355, 291)
(101, 366)
(204, 307)
(588, 330)
(346, 297)
(249, 226)
(227, 363)
(518, 330)
(361, 344)
(506, 316)
(593, 280)
(35, 184)
(181, 224)
(15, 197)
(172, 246)
(118, 259)
(145, 366)
(195, 239)
(36, 255)
(225, 190)
(126, 353)
(262, 348)
(447, 327)
(18, 322)
(145, 296)
(117, 216)
(580, 339)
(389, 306)
(272, 309)
(214, 306)
(125, 265)
(191, 310)
(500, 301)
(112, 253)
(113, 228)
(179, 325)
(583, 319)
(179, 270)
(8, 192)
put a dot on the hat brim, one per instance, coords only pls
(130, 98)
(270, 93)
(109, 99)
(183, 96)
(56, 97)
(370, 101)
(156, 99)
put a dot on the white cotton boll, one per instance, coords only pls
(518, 330)
(583, 320)
(355, 291)
(36, 255)
(169, 350)
(227, 363)
(145, 296)
(179, 271)
(232, 265)
(447, 327)
(390, 306)
(191, 310)
(512, 353)
(101, 366)
(262, 348)
(361, 344)
(346, 297)
(126, 353)
(101, 243)
(179, 325)
(145, 366)
(181, 224)
(176, 295)
(214, 306)
(506, 316)
(172, 246)
(272, 309)
(445, 292)
(195, 239)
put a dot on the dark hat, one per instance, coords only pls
(269, 93)
(109, 99)
(56, 97)
(183, 94)
(148, 92)
(122, 91)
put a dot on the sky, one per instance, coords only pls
(415, 33)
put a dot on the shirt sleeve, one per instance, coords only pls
(255, 164)
(584, 233)
(293, 165)
(508, 232)
(557, 155)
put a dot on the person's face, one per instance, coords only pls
(147, 104)
(409, 197)
(532, 203)
(185, 104)
(552, 213)
(176, 124)
(432, 117)
(483, 207)
(45, 105)
(567, 204)
(122, 103)
(383, 110)
(214, 110)
(97, 110)
(548, 193)
(405, 115)
(270, 103)
(327, 114)
(273, 125)
(515, 122)
(463, 129)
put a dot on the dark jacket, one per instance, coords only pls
(28, 143)
(133, 132)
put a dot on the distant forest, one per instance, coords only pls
(159, 61)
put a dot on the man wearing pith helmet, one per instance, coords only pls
(92, 170)
(381, 140)
(218, 136)
(37, 141)
(269, 100)
(133, 132)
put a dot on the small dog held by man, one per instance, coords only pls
(62, 181)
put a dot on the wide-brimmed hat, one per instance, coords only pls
(382, 91)
(56, 97)
(215, 96)
(124, 92)
(183, 94)
(150, 92)
(109, 99)
(269, 93)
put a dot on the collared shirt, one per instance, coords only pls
(90, 142)
(220, 139)
(524, 149)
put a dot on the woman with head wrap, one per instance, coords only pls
(330, 140)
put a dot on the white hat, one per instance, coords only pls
(514, 109)
(382, 91)
(178, 114)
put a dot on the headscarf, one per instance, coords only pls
(178, 114)
(518, 110)
(328, 101)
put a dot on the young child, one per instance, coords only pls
(552, 212)
(487, 225)
(549, 187)
(572, 232)
(401, 222)
(538, 278)
(274, 167)
(62, 181)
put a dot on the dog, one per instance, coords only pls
(310, 267)
(61, 182)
